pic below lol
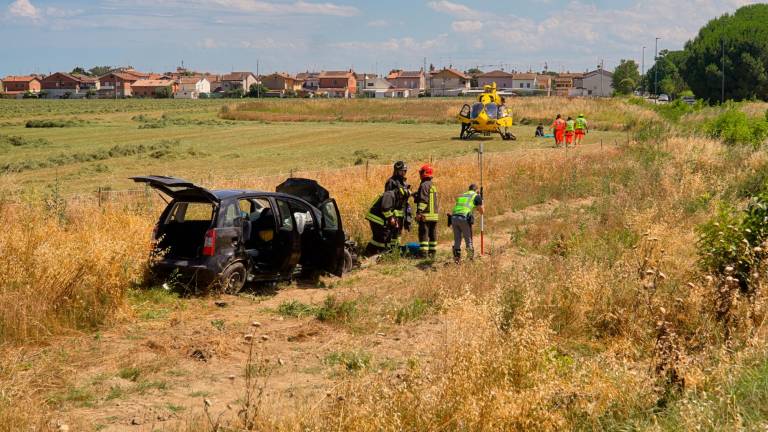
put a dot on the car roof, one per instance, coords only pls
(222, 194)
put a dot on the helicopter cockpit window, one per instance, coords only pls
(492, 110)
(477, 108)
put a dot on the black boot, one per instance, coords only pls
(457, 256)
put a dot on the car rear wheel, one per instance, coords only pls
(233, 278)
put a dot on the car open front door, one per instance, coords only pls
(333, 238)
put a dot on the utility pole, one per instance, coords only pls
(642, 75)
(600, 69)
(656, 69)
(258, 81)
(722, 85)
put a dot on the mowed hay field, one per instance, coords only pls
(591, 310)
(104, 143)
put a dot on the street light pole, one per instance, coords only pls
(643, 71)
(656, 69)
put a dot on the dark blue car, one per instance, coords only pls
(226, 238)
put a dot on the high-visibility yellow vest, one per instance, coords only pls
(570, 126)
(465, 204)
(581, 123)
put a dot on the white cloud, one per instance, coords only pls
(395, 44)
(455, 9)
(468, 26)
(270, 43)
(55, 12)
(299, 7)
(24, 9)
(209, 43)
(378, 23)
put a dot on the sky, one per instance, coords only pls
(43, 36)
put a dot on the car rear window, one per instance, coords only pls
(190, 212)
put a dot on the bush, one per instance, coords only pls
(735, 127)
(736, 240)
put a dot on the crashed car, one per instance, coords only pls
(229, 237)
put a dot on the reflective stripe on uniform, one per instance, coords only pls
(397, 213)
(431, 215)
(375, 219)
(422, 206)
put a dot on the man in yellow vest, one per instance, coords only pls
(462, 219)
(570, 131)
(426, 212)
(581, 128)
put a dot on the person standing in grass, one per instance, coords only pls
(570, 131)
(384, 223)
(558, 126)
(426, 212)
(581, 128)
(462, 219)
(403, 212)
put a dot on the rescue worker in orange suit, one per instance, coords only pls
(570, 131)
(559, 128)
(581, 128)
(403, 213)
(381, 217)
(426, 212)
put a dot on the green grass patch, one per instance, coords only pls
(352, 361)
(295, 309)
(335, 311)
(414, 310)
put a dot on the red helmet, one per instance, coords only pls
(426, 170)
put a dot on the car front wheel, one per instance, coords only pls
(233, 278)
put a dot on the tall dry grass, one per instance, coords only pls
(612, 114)
(66, 269)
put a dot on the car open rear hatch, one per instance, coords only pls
(176, 188)
(306, 189)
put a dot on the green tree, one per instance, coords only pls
(257, 90)
(80, 71)
(626, 77)
(100, 70)
(164, 92)
(670, 80)
(473, 73)
(741, 40)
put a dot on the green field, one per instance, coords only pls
(104, 142)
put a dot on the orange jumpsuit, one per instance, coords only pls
(559, 127)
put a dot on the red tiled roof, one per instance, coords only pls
(524, 76)
(152, 83)
(23, 78)
(452, 72)
(121, 75)
(496, 74)
(411, 74)
(336, 74)
(190, 80)
(236, 76)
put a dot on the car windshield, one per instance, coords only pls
(477, 107)
(492, 110)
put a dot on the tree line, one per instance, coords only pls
(731, 49)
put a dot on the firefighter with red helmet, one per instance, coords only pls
(427, 212)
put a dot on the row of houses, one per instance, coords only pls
(127, 82)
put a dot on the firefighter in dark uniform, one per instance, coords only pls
(381, 217)
(426, 212)
(403, 212)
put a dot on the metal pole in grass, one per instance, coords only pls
(482, 215)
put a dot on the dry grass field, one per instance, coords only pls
(590, 311)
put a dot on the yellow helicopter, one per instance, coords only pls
(486, 116)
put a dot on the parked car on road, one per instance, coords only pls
(227, 237)
(663, 98)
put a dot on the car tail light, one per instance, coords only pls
(209, 246)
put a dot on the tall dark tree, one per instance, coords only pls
(670, 80)
(741, 40)
(80, 71)
(100, 70)
(626, 77)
